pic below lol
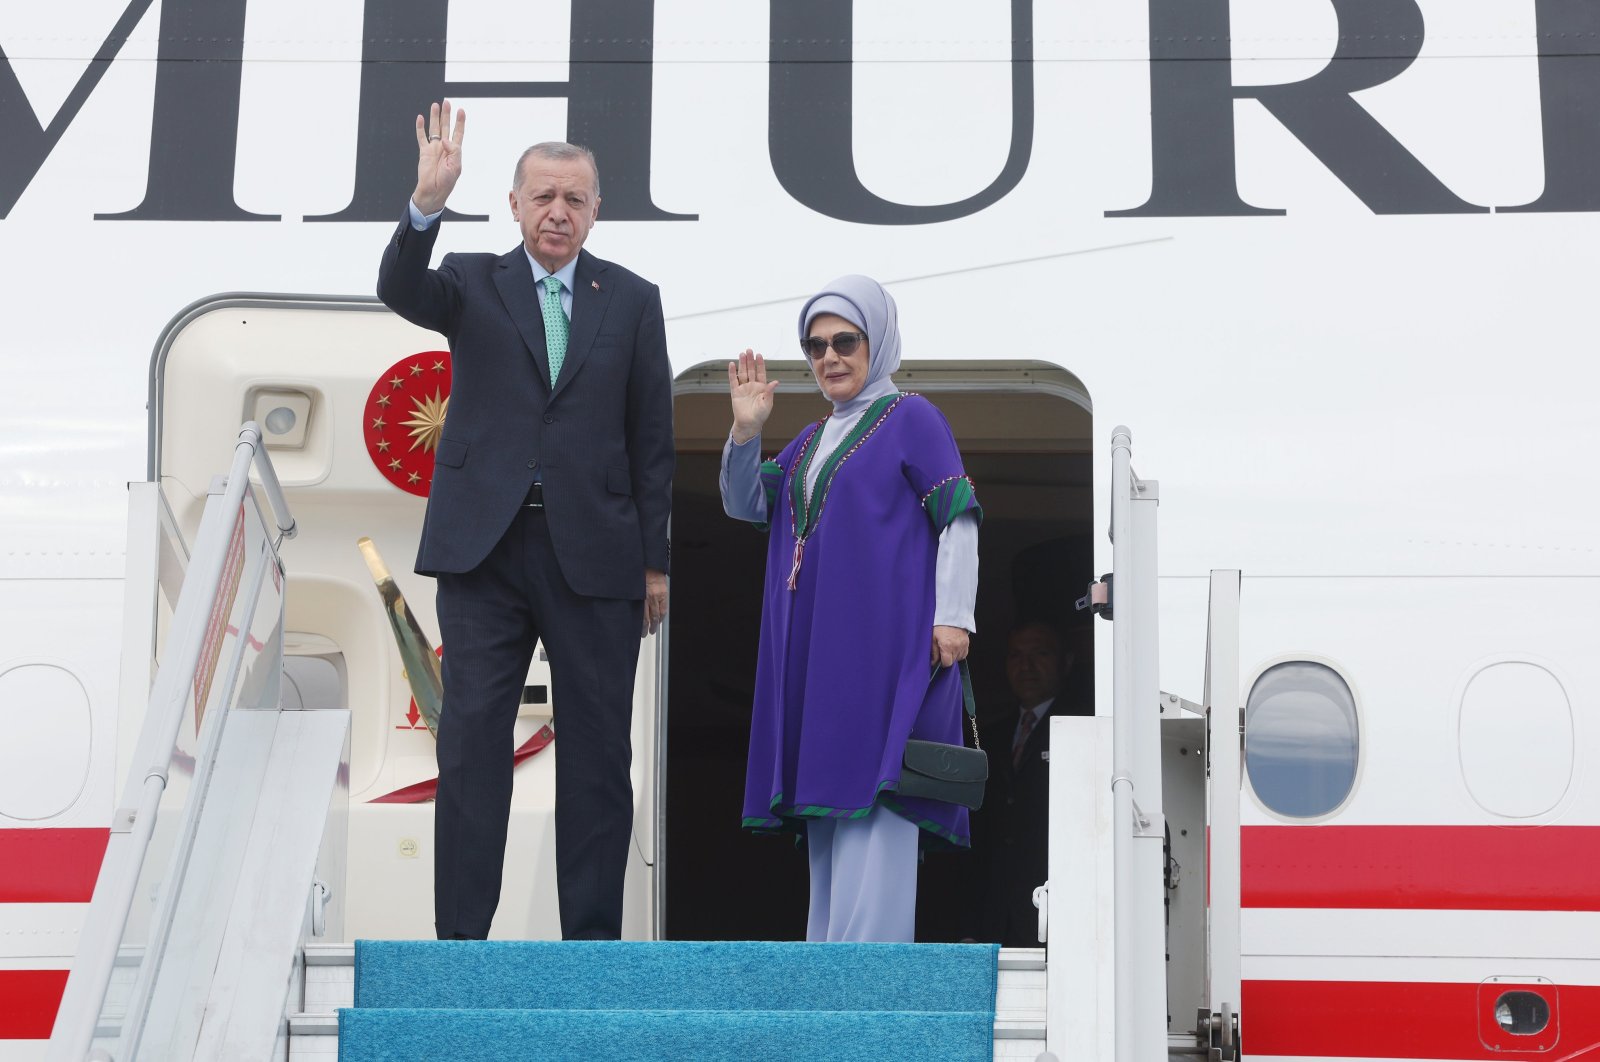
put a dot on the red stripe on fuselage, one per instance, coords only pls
(1446, 868)
(50, 866)
(31, 999)
(1389, 1019)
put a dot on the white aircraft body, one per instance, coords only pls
(1331, 261)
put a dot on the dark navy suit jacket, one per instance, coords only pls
(601, 439)
(1011, 834)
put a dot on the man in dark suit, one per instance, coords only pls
(1011, 834)
(547, 519)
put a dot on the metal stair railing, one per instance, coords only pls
(234, 571)
(1137, 819)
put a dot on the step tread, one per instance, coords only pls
(677, 975)
(378, 1035)
(330, 982)
(345, 955)
(330, 954)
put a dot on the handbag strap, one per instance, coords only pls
(966, 698)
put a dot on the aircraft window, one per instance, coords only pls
(1301, 738)
(1522, 1013)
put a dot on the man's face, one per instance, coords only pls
(556, 206)
(1033, 664)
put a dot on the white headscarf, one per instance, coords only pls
(864, 303)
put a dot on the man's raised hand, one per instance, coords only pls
(438, 157)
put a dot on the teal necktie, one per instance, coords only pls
(555, 327)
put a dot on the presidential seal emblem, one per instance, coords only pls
(404, 417)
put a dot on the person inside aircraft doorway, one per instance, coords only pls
(547, 518)
(872, 574)
(1011, 833)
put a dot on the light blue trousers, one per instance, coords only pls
(863, 878)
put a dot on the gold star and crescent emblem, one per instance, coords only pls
(405, 419)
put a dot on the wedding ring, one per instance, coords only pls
(434, 137)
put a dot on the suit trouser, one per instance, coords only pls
(1012, 870)
(489, 620)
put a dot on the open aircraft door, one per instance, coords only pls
(1143, 956)
(1218, 1021)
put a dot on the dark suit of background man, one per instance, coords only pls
(547, 519)
(1012, 833)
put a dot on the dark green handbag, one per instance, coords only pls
(954, 774)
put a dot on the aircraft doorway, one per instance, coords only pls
(1024, 432)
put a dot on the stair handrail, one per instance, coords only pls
(1137, 816)
(1122, 782)
(133, 822)
(250, 434)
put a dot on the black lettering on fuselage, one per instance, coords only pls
(810, 105)
(608, 101)
(28, 141)
(1193, 163)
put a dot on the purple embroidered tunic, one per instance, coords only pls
(842, 674)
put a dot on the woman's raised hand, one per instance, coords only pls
(751, 392)
(438, 157)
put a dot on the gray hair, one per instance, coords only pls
(560, 151)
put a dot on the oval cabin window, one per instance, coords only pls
(1301, 739)
(1516, 740)
(44, 757)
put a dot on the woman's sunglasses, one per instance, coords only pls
(845, 343)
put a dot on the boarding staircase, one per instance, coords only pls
(210, 884)
(1018, 1030)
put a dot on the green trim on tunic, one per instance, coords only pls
(808, 515)
(950, 499)
(786, 819)
(927, 826)
(771, 475)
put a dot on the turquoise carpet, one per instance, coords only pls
(743, 1000)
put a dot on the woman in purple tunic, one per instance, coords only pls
(872, 568)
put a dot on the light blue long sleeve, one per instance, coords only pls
(740, 481)
(956, 574)
(421, 221)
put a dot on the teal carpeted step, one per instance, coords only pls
(677, 975)
(636, 1036)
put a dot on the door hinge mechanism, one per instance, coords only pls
(1218, 1034)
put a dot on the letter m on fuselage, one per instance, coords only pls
(30, 140)
(195, 119)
